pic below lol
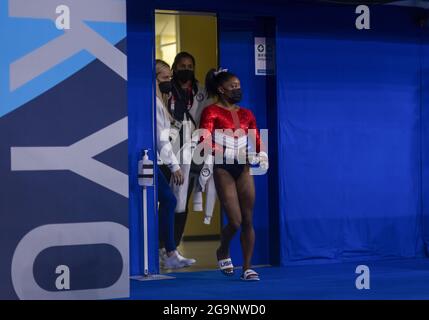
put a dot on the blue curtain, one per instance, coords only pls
(349, 136)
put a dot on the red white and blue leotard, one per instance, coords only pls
(215, 117)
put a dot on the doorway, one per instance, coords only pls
(231, 41)
(195, 33)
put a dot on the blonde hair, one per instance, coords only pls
(159, 66)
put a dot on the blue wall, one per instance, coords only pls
(65, 206)
(141, 54)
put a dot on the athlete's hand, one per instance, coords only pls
(178, 178)
(263, 160)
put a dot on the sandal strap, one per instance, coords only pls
(249, 273)
(225, 264)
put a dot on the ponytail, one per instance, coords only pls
(211, 83)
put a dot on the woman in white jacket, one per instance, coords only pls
(167, 201)
(187, 101)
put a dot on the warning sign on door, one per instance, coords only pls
(264, 56)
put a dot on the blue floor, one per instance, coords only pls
(389, 279)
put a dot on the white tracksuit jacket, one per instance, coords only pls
(181, 192)
(164, 147)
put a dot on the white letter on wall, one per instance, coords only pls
(363, 21)
(362, 282)
(63, 280)
(63, 20)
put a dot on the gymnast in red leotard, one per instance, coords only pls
(227, 131)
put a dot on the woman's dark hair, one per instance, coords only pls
(180, 56)
(215, 79)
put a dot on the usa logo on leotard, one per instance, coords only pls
(205, 172)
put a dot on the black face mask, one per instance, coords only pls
(184, 75)
(165, 87)
(233, 96)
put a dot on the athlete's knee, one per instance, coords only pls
(235, 224)
(247, 222)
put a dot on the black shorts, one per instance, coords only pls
(234, 169)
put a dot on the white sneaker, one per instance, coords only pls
(187, 261)
(162, 257)
(173, 262)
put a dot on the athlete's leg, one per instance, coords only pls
(246, 195)
(227, 193)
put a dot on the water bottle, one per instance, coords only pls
(145, 170)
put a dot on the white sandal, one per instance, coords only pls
(226, 266)
(250, 275)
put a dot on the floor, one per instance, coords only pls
(389, 279)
